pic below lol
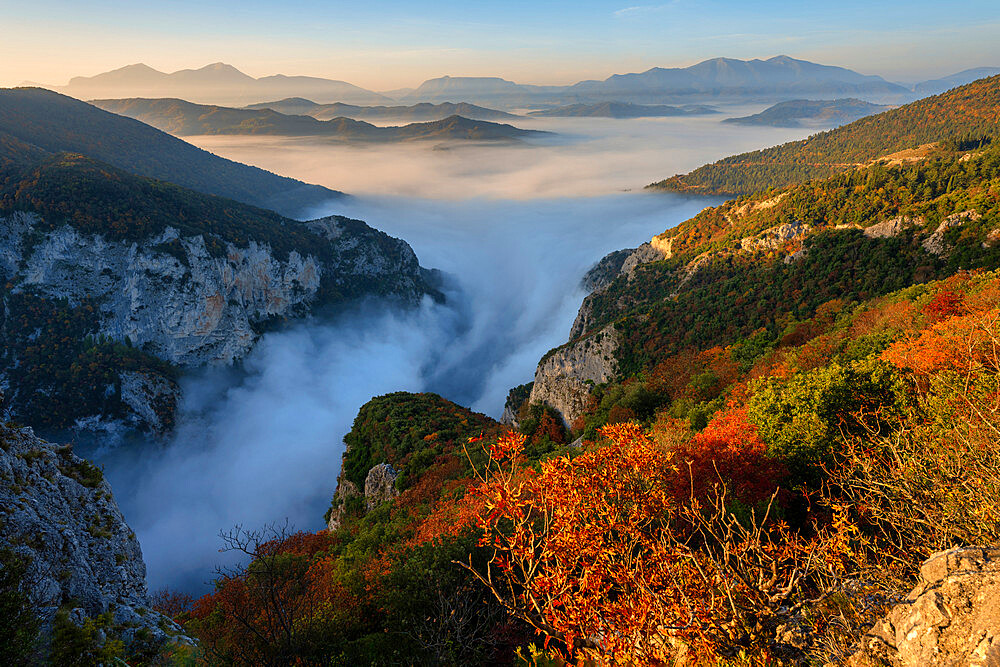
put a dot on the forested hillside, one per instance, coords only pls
(963, 115)
(53, 123)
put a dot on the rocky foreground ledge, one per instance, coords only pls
(57, 512)
(952, 618)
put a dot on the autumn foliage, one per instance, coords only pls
(579, 550)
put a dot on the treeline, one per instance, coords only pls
(97, 198)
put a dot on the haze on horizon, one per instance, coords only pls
(393, 44)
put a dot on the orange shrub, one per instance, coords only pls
(728, 451)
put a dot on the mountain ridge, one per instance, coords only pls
(56, 123)
(766, 79)
(422, 111)
(816, 112)
(971, 111)
(188, 119)
(217, 83)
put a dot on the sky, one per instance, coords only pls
(384, 45)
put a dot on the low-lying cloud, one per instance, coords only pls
(586, 157)
(263, 442)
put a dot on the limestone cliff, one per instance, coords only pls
(564, 376)
(610, 267)
(58, 511)
(188, 300)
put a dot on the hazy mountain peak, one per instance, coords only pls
(215, 83)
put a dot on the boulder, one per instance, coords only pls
(380, 485)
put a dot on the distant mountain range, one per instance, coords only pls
(214, 84)
(186, 119)
(813, 113)
(47, 122)
(719, 79)
(623, 110)
(935, 86)
(415, 112)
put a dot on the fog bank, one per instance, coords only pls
(514, 226)
(586, 157)
(262, 443)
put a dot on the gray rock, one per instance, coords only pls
(151, 397)
(934, 244)
(888, 229)
(951, 619)
(170, 297)
(380, 485)
(564, 376)
(611, 266)
(775, 237)
(345, 490)
(605, 271)
(58, 511)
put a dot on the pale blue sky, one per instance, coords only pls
(388, 44)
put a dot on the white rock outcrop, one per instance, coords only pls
(169, 296)
(934, 244)
(564, 376)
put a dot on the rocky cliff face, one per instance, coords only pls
(380, 487)
(564, 377)
(175, 300)
(610, 267)
(58, 511)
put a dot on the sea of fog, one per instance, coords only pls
(515, 227)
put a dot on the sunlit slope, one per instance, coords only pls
(775, 257)
(970, 111)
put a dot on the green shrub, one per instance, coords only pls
(18, 623)
(801, 418)
(82, 645)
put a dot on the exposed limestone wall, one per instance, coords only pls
(934, 244)
(563, 377)
(611, 266)
(173, 299)
(380, 485)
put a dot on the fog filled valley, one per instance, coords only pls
(514, 228)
